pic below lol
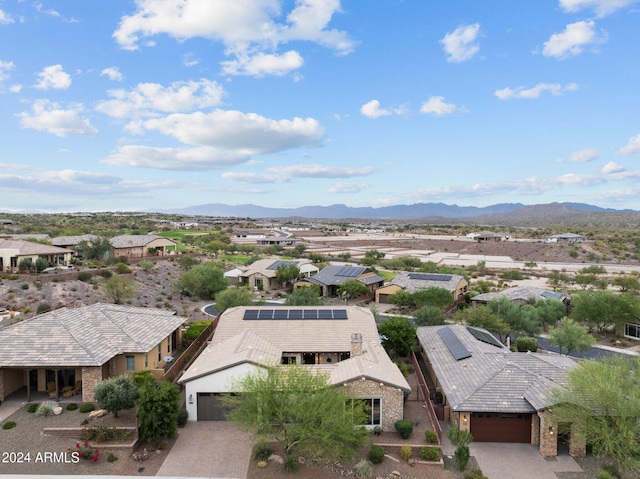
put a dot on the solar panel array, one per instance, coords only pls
(484, 337)
(350, 271)
(551, 295)
(456, 348)
(283, 313)
(430, 277)
(280, 262)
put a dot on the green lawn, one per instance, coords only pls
(235, 258)
(387, 275)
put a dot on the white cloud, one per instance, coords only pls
(263, 64)
(246, 27)
(112, 73)
(254, 178)
(612, 167)
(50, 117)
(602, 8)
(573, 40)
(347, 187)
(190, 59)
(321, 171)
(437, 106)
(17, 88)
(148, 99)
(580, 156)
(461, 44)
(232, 129)
(5, 68)
(633, 146)
(372, 109)
(5, 18)
(53, 76)
(531, 93)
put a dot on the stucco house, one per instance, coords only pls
(70, 242)
(341, 342)
(12, 252)
(413, 282)
(139, 246)
(262, 273)
(566, 238)
(521, 295)
(86, 344)
(332, 276)
(496, 394)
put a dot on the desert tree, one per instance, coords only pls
(571, 336)
(116, 394)
(120, 289)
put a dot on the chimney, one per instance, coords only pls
(356, 344)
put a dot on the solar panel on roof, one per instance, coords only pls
(280, 314)
(350, 271)
(310, 314)
(295, 314)
(551, 295)
(456, 348)
(340, 314)
(430, 277)
(265, 314)
(484, 337)
(325, 314)
(280, 262)
(250, 314)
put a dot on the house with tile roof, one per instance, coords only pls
(13, 251)
(140, 246)
(86, 344)
(521, 295)
(498, 395)
(340, 342)
(332, 276)
(72, 241)
(262, 273)
(412, 282)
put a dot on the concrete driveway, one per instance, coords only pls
(215, 449)
(519, 461)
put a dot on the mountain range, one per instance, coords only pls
(502, 212)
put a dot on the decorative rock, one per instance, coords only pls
(395, 459)
(301, 460)
(57, 410)
(396, 473)
(276, 458)
(98, 413)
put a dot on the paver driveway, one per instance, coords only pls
(216, 449)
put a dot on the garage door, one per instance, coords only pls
(210, 407)
(497, 427)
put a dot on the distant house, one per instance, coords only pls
(71, 242)
(486, 236)
(86, 344)
(139, 246)
(12, 252)
(566, 238)
(413, 282)
(332, 276)
(521, 295)
(496, 394)
(262, 273)
(340, 342)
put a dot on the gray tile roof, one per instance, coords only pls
(414, 282)
(520, 293)
(86, 336)
(262, 342)
(72, 240)
(31, 248)
(492, 379)
(133, 241)
(264, 267)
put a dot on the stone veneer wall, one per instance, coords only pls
(548, 441)
(392, 399)
(91, 376)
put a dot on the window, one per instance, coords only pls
(146, 361)
(159, 352)
(372, 407)
(632, 330)
(131, 363)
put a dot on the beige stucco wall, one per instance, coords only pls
(392, 399)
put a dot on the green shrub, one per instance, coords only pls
(85, 276)
(87, 407)
(183, 416)
(24, 286)
(112, 457)
(9, 425)
(72, 406)
(405, 452)
(32, 408)
(262, 451)
(364, 468)
(462, 456)
(376, 454)
(474, 474)
(512, 275)
(612, 470)
(430, 436)
(430, 453)
(43, 308)
(404, 428)
(604, 475)
(105, 273)
(291, 463)
(122, 268)
(525, 343)
(46, 408)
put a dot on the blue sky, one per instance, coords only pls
(156, 104)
